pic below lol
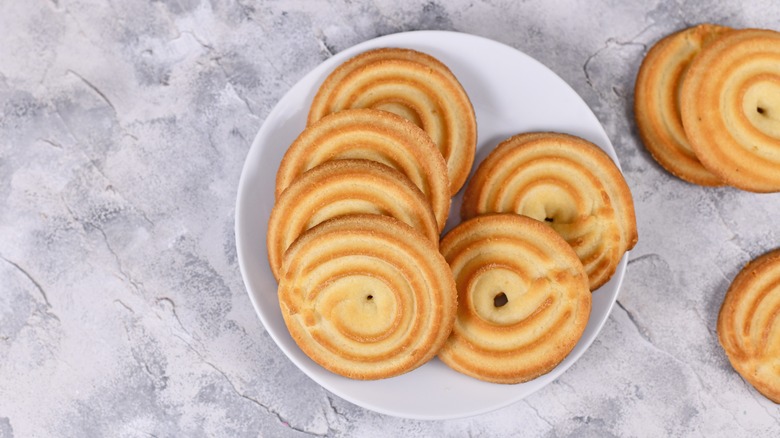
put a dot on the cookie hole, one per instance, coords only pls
(548, 219)
(369, 297)
(760, 110)
(500, 300)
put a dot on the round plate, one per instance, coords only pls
(511, 93)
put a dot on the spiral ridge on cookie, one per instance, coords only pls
(415, 86)
(566, 182)
(749, 324)
(366, 296)
(730, 107)
(657, 102)
(342, 187)
(373, 135)
(523, 298)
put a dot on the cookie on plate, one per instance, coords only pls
(342, 187)
(415, 86)
(749, 324)
(372, 135)
(566, 182)
(730, 107)
(366, 296)
(657, 101)
(523, 298)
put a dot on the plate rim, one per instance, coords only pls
(327, 65)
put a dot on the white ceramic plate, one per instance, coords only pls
(511, 93)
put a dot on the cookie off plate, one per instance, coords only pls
(511, 93)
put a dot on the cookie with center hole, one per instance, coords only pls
(367, 296)
(567, 183)
(730, 108)
(523, 298)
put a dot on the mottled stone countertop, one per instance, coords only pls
(124, 126)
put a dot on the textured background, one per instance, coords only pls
(123, 129)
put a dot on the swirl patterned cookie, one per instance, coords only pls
(367, 296)
(569, 184)
(730, 107)
(749, 324)
(343, 187)
(657, 102)
(415, 86)
(372, 135)
(523, 298)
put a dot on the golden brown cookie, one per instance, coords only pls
(523, 298)
(341, 187)
(657, 102)
(415, 86)
(373, 135)
(749, 324)
(730, 106)
(566, 182)
(366, 296)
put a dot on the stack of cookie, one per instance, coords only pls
(566, 182)
(707, 105)
(362, 196)
(366, 288)
(546, 219)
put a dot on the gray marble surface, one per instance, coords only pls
(123, 129)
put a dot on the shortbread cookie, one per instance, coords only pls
(415, 86)
(730, 106)
(657, 102)
(566, 182)
(749, 324)
(367, 297)
(341, 187)
(523, 298)
(373, 135)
